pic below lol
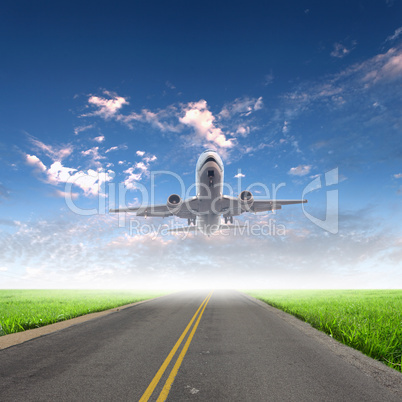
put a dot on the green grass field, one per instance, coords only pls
(367, 320)
(26, 309)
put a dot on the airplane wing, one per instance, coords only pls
(187, 209)
(272, 205)
(227, 205)
(233, 206)
(151, 210)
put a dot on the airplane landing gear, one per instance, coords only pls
(228, 219)
(211, 175)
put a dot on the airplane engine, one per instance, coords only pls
(246, 200)
(174, 202)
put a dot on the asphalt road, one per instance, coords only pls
(238, 350)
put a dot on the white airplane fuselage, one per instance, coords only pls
(209, 187)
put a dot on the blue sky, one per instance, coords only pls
(103, 94)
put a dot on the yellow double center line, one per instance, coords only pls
(168, 384)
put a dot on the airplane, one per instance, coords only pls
(203, 211)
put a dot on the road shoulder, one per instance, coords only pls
(379, 372)
(6, 341)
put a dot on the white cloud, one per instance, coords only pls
(141, 166)
(243, 106)
(340, 51)
(239, 175)
(63, 194)
(56, 153)
(138, 170)
(346, 86)
(259, 147)
(385, 66)
(62, 153)
(300, 170)
(393, 67)
(93, 153)
(131, 180)
(285, 127)
(202, 120)
(161, 120)
(149, 159)
(174, 118)
(80, 129)
(73, 249)
(90, 181)
(243, 131)
(398, 176)
(107, 107)
(99, 139)
(259, 104)
(57, 173)
(35, 162)
(396, 35)
(295, 145)
(154, 119)
(3, 269)
(116, 148)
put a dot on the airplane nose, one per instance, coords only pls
(209, 159)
